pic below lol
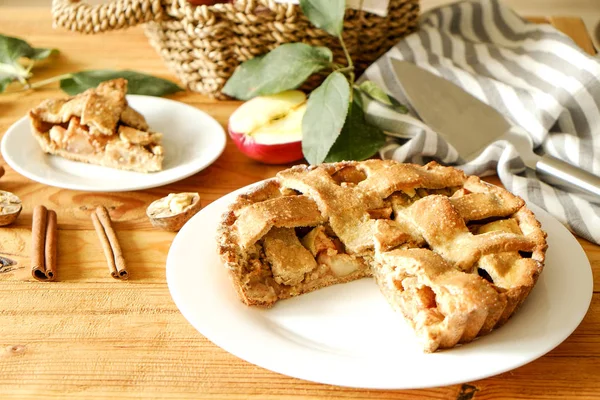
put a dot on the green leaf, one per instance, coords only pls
(12, 49)
(358, 140)
(285, 67)
(137, 83)
(325, 14)
(371, 89)
(324, 118)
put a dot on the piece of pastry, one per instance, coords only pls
(454, 255)
(98, 127)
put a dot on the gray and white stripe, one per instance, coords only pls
(535, 75)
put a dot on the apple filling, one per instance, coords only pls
(290, 264)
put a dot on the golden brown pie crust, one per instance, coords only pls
(454, 255)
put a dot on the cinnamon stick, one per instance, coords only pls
(108, 253)
(110, 243)
(43, 243)
(1, 171)
(51, 244)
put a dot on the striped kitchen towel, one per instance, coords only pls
(535, 75)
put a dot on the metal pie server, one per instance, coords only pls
(470, 125)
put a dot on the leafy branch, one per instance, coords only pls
(333, 126)
(18, 59)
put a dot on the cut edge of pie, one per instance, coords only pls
(98, 127)
(454, 255)
(258, 284)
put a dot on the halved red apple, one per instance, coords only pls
(269, 128)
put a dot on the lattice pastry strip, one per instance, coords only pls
(387, 177)
(288, 258)
(509, 270)
(445, 231)
(257, 219)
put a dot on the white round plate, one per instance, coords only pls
(348, 335)
(192, 141)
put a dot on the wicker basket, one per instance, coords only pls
(203, 45)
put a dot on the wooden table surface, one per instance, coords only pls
(89, 336)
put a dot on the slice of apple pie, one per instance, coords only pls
(454, 255)
(98, 127)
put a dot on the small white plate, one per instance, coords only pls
(348, 335)
(192, 141)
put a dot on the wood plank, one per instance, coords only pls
(80, 340)
(571, 27)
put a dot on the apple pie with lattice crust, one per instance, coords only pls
(456, 256)
(98, 127)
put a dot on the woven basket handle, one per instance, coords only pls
(115, 14)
